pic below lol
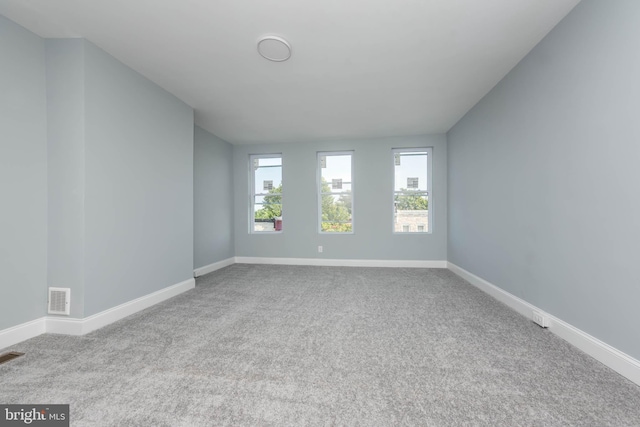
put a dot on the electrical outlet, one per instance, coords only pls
(319, 249)
(540, 319)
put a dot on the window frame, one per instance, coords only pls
(253, 194)
(429, 151)
(319, 155)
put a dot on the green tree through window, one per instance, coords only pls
(411, 202)
(336, 211)
(412, 190)
(272, 204)
(266, 193)
(335, 191)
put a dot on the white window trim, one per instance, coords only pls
(252, 190)
(429, 151)
(319, 191)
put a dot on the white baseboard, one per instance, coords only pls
(71, 326)
(517, 304)
(213, 267)
(22, 332)
(342, 262)
(615, 359)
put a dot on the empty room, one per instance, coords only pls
(372, 213)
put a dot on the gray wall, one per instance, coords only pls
(213, 199)
(120, 180)
(543, 176)
(373, 213)
(138, 185)
(23, 176)
(66, 167)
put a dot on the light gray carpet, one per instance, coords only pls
(283, 345)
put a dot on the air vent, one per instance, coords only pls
(4, 358)
(59, 301)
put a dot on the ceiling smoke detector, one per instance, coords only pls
(274, 48)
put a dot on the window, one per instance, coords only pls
(335, 192)
(266, 193)
(411, 190)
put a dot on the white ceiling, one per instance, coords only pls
(359, 68)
